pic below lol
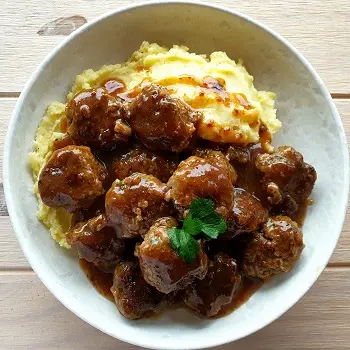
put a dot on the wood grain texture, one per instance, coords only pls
(31, 318)
(62, 25)
(317, 28)
(11, 255)
(6, 107)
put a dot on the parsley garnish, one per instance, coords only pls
(201, 218)
(185, 245)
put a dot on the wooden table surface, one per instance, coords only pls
(30, 317)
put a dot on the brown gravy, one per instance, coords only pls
(64, 142)
(114, 86)
(248, 179)
(248, 288)
(100, 280)
(103, 282)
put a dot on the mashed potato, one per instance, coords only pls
(57, 220)
(232, 109)
(232, 112)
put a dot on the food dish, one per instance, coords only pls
(208, 137)
(189, 77)
(302, 100)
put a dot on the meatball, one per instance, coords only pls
(247, 214)
(142, 160)
(162, 121)
(97, 243)
(133, 204)
(287, 180)
(207, 297)
(133, 296)
(95, 119)
(238, 155)
(274, 250)
(71, 179)
(211, 177)
(161, 266)
(217, 157)
(234, 247)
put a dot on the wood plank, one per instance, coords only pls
(32, 318)
(12, 257)
(342, 252)
(7, 105)
(315, 27)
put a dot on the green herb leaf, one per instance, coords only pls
(185, 245)
(192, 225)
(202, 217)
(174, 236)
(201, 208)
(214, 225)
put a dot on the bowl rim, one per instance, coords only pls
(16, 223)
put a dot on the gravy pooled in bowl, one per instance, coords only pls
(161, 174)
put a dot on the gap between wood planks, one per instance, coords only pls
(15, 94)
(337, 95)
(13, 271)
(9, 94)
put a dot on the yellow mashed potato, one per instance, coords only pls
(222, 90)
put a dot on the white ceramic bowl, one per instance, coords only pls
(310, 123)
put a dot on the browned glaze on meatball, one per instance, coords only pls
(273, 250)
(208, 296)
(133, 296)
(161, 266)
(95, 118)
(212, 177)
(71, 179)
(287, 180)
(162, 121)
(238, 155)
(133, 204)
(63, 142)
(97, 243)
(142, 160)
(247, 214)
(216, 157)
